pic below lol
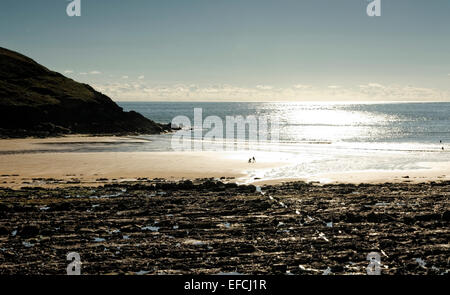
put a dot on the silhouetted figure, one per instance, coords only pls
(254, 160)
(249, 160)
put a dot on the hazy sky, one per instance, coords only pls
(240, 49)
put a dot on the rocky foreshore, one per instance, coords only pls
(211, 227)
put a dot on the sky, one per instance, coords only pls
(240, 50)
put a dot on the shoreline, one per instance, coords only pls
(53, 162)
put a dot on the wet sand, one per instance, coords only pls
(436, 172)
(52, 162)
(55, 161)
(105, 167)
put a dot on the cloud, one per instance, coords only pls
(141, 77)
(264, 87)
(334, 86)
(124, 77)
(375, 85)
(372, 85)
(402, 92)
(84, 73)
(143, 91)
(301, 86)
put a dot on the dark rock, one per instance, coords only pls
(247, 188)
(213, 185)
(279, 268)
(378, 217)
(428, 217)
(4, 231)
(446, 215)
(231, 185)
(248, 248)
(352, 218)
(337, 268)
(28, 231)
(187, 184)
(4, 208)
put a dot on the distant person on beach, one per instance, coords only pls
(249, 160)
(254, 160)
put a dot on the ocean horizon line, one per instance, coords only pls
(285, 101)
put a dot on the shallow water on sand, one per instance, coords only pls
(316, 138)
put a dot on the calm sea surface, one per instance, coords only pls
(327, 137)
(333, 122)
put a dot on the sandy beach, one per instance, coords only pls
(57, 161)
(46, 162)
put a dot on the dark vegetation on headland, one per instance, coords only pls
(211, 227)
(35, 101)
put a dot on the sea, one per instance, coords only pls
(312, 137)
